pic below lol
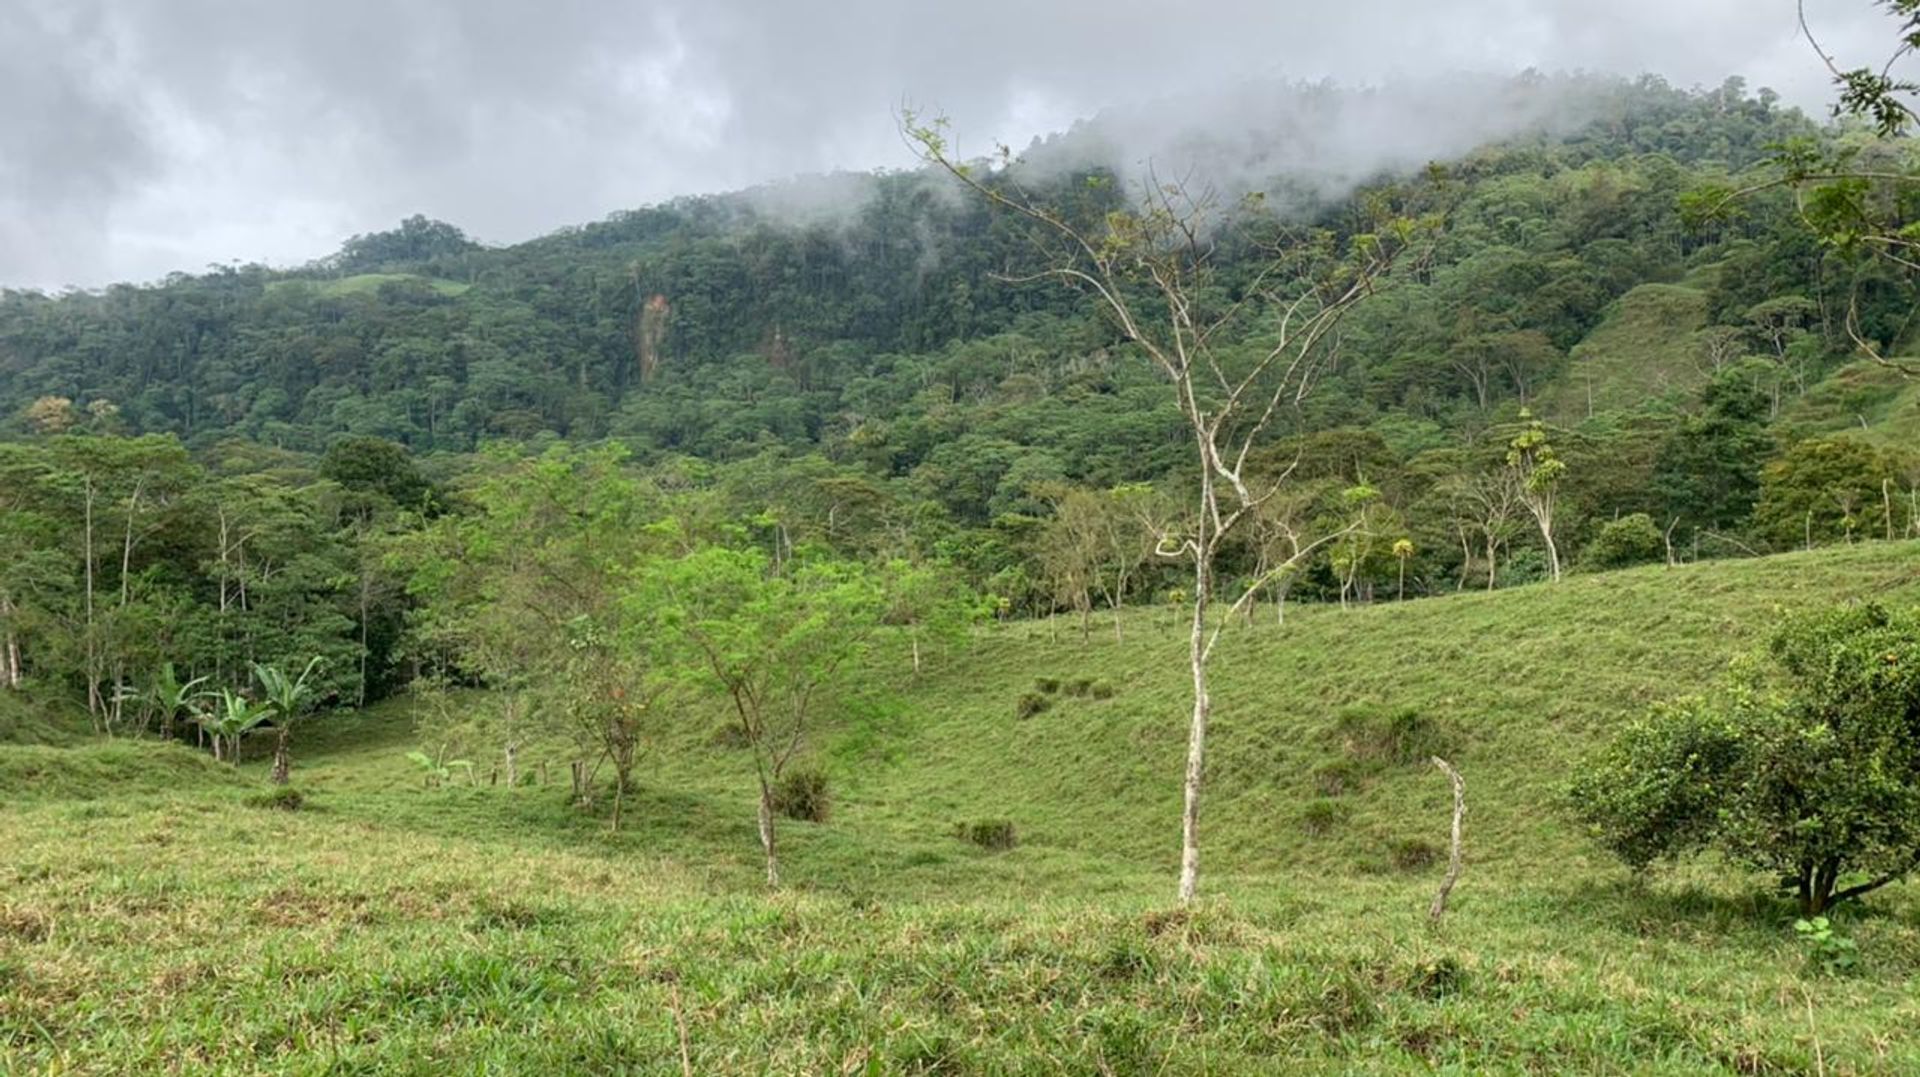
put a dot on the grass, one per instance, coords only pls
(1864, 400)
(369, 283)
(1642, 349)
(157, 916)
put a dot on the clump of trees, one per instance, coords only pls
(1806, 766)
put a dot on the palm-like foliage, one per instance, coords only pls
(289, 696)
(231, 719)
(169, 696)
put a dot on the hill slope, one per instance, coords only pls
(389, 926)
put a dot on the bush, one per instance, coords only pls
(279, 798)
(995, 834)
(1046, 685)
(1102, 690)
(1030, 704)
(1437, 979)
(1809, 769)
(1630, 540)
(802, 794)
(1321, 817)
(1401, 737)
(1080, 687)
(1338, 778)
(1413, 854)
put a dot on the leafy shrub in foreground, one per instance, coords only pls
(1809, 769)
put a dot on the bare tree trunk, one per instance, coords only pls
(1454, 849)
(282, 755)
(1197, 731)
(93, 644)
(766, 835)
(915, 636)
(513, 764)
(1439, 906)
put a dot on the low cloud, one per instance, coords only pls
(141, 138)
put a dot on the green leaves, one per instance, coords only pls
(1811, 770)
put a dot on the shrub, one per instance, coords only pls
(1080, 687)
(802, 794)
(1630, 540)
(1030, 704)
(1808, 769)
(1437, 979)
(995, 834)
(1102, 690)
(1412, 854)
(1321, 817)
(1402, 737)
(279, 798)
(1338, 778)
(1046, 685)
(1828, 951)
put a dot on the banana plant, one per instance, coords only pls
(170, 697)
(230, 720)
(289, 696)
(436, 772)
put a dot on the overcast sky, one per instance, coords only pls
(143, 136)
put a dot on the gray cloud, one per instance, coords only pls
(138, 137)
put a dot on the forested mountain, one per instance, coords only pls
(208, 469)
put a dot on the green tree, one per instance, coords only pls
(289, 697)
(1820, 490)
(777, 643)
(1537, 471)
(1809, 769)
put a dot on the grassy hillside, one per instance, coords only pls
(1864, 399)
(182, 923)
(1642, 350)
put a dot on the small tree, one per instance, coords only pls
(1537, 471)
(170, 698)
(232, 718)
(1810, 770)
(288, 697)
(777, 642)
(1631, 540)
(1402, 552)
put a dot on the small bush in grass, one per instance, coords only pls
(727, 736)
(993, 834)
(280, 798)
(1623, 543)
(1080, 687)
(1436, 979)
(1402, 737)
(1322, 817)
(1031, 704)
(1413, 854)
(1046, 685)
(1337, 779)
(1101, 690)
(803, 794)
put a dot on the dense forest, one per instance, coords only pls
(224, 468)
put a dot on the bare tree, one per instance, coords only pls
(1485, 503)
(1238, 355)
